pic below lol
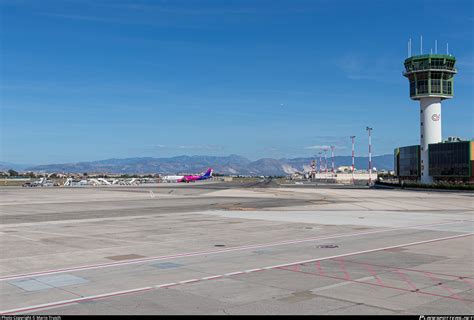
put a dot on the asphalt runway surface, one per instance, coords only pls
(235, 248)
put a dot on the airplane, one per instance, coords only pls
(189, 178)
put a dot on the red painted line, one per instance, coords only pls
(466, 281)
(375, 284)
(343, 268)
(440, 283)
(405, 278)
(281, 266)
(374, 274)
(320, 269)
(408, 269)
(198, 253)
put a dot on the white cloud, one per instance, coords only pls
(322, 147)
(318, 147)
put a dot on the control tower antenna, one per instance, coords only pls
(436, 46)
(431, 79)
(421, 44)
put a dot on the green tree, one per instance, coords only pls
(12, 173)
(30, 174)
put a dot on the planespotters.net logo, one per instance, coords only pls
(436, 117)
(446, 318)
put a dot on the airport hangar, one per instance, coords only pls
(431, 78)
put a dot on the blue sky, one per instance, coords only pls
(89, 80)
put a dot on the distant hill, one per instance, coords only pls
(232, 164)
(5, 166)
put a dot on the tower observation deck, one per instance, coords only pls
(431, 81)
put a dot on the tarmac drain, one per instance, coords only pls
(309, 228)
(219, 245)
(328, 246)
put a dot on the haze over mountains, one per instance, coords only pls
(232, 164)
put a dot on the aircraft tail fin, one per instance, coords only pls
(208, 173)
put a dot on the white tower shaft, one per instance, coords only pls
(430, 132)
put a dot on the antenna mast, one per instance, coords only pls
(421, 44)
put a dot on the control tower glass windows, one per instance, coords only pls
(412, 88)
(449, 64)
(436, 82)
(447, 89)
(435, 86)
(437, 63)
(422, 86)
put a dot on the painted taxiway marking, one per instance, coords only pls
(361, 281)
(280, 266)
(200, 253)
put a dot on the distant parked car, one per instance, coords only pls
(26, 184)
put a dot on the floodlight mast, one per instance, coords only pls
(320, 162)
(332, 156)
(352, 139)
(370, 154)
(325, 161)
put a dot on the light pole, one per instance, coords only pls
(325, 161)
(352, 138)
(370, 154)
(320, 162)
(332, 156)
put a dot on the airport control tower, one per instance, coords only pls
(431, 80)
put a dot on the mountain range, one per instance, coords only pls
(232, 164)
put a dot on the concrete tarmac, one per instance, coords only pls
(233, 248)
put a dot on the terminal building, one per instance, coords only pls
(431, 80)
(449, 161)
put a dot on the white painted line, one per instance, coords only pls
(233, 273)
(166, 285)
(371, 250)
(212, 277)
(72, 301)
(199, 253)
(188, 281)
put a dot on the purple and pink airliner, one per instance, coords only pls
(189, 178)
